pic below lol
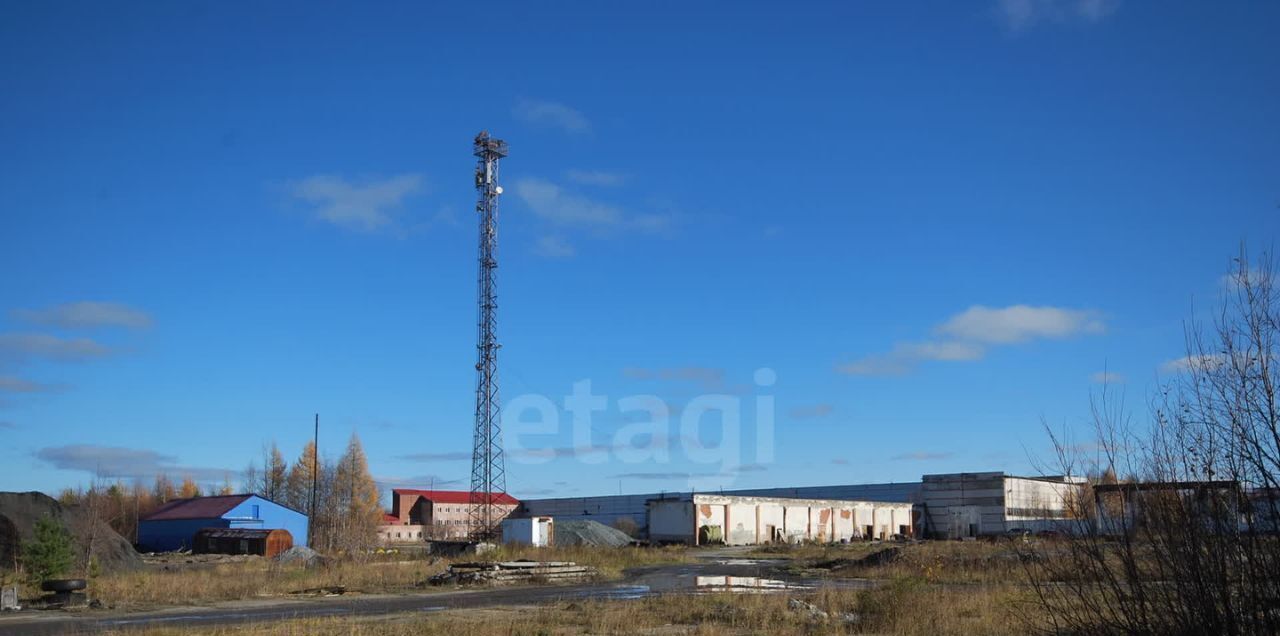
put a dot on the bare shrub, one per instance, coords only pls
(1183, 538)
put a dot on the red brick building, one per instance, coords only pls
(444, 513)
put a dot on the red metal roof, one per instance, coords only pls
(197, 508)
(454, 496)
(390, 518)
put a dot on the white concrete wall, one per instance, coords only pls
(843, 524)
(535, 531)
(796, 523)
(771, 514)
(1031, 499)
(711, 515)
(820, 523)
(864, 522)
(741, 524)
(970, 504)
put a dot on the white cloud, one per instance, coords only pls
(548, 113)
(115, 461)
(1019, 323)
(550, 202)
(1198, 362)
(709, 377)
(969, 334)
(86, 314)
(368, 206)
(595, 177)
(1252, 277)
(1020, 15)
(906, 355)
(21, 346)
(553, 247)
(417, 481)
(947, 351)
(571, 211)
(1107, 377)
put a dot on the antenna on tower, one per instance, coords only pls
(488, 471)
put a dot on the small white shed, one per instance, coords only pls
(535, 531)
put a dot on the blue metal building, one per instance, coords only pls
(173, 525)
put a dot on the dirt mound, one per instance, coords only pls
(875, 559)
(590, 533)
(880, 557)
(20, 510)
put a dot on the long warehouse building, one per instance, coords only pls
(954, 505)
(747, 520)
(632, 510)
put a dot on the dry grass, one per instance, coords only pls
(903, 607)
(257, 578)
(610, 561)
(251, 579)
(930, 561)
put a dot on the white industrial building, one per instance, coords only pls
(961, 505)
(631, 511)
(954, 505)
(746, 520)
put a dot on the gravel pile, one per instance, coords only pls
(299, 555)
(20, 510)
(590, 533)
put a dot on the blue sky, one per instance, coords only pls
(934, 223)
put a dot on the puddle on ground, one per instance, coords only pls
(619, 592)
(746, 584)
(749, 562)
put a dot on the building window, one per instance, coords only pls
(257, 514)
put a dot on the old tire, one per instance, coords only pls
(63, 585)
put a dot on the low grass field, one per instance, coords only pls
(934, 588)
(901, 607)
(930, 561)
(258, 578)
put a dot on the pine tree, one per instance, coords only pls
(297, 491)
(226, 488)
(69, 497)
(274, 476)
(164, 490)
(357, 497)
(50, 553)
(189, 488)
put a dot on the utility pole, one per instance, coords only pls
(488, 471)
